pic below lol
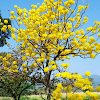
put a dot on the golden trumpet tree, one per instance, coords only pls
(53, 32)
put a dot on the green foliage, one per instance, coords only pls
(6, 93)
(4, 35)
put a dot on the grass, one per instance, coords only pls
(23, 98)
(29, 98)
(6, 98)
(34, 97)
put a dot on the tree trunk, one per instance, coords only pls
(49, 94)
(49, 86)
(19, 97)
(15, 98)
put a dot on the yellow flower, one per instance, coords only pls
(37, 3)
(5, 68)
(83, 96)
(14, 62)
(67, 4)
(88, 93)
(27, 54)
(99, 35)
(23, 65)
(86, 44)
(77, 32)
(16, 71)
(24, 58)
(20, 23)
(6, 21)
(87, 73)
(85, 18)
(9, 26)
(12, 12)
(14, 66)
(13, 36)
(66, 36)
(72, 33)
(45, 1)
(15, 6)
(1, 57)
(81, 47)
(78, 14)
(65, 88)
(58, 75)
(77, 36)
(51, 62)
(86, 7)
(37, 23)
(24, 69)
(46, 69)
(98, 88)
(59, 85)
(18, 18)
(54, 66)
(65, 65)
(69, 95)
(92, 55)
(79, 98)
(8, 55)
(33, 54)
(91, 88)
(4, 59)
(72, 11)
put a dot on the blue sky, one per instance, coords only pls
(77, 64)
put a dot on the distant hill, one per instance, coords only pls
(96, 79)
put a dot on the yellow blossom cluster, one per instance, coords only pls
(8, 63)
(68, 89)
(52, 31)
(94, 96)
(65, 65)
(76, 96)
(98, 88)
(79, 83)
(46, 69)
(57, 93)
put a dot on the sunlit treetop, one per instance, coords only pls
(53, 32)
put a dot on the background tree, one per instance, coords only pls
(13, 84)
(4, 35)
(92, 80)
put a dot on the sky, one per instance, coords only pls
(76, 64)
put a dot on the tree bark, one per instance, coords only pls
(49, 94)
(19, 97)
(15, 98)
